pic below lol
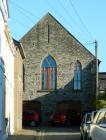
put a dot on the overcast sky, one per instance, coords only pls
(85, 19)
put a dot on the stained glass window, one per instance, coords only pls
(49, 68)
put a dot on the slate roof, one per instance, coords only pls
(19, 45)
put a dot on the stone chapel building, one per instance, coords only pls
(59, 72)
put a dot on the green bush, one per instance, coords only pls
(101, 101)
(100, 104)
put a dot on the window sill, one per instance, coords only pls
(51, 90)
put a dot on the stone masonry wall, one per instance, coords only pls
(66, 50)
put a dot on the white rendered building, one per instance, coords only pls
(7, 54)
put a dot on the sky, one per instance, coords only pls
(84, 19)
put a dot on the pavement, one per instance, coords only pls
(24, 134)
(21, 137)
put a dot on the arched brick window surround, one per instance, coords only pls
(49, 73)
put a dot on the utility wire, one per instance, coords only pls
(23, 12)
(26, 11)
(60, 13)
(19, 22)
(81, 21)
(20, 9)
(91, 43)
(69, 15)
(49, 3)
(57, 12)
(73, 20)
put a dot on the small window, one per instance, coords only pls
(23, 77)
(77, 76)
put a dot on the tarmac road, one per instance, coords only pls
(58, 133)
(48, 133)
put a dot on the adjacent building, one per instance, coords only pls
(59, 71)
(8, 57)
(18, 85)
(4, 14)
(13, 60)
(102, 82)
(11, 77)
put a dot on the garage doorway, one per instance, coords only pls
(73, 108)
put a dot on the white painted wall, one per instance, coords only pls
(2, 99)
(7, 54)
(8, 58)
(2, 82)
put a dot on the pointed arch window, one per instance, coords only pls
(77, 76)
(49, 69)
